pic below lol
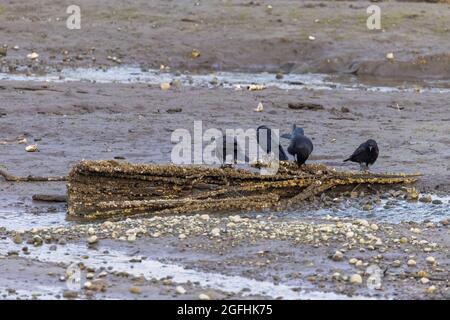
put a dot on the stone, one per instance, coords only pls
(135, 290)
(69, 294)
(17, 239)
(424, 280)
(411, 263)
(32, 148)
(180, 290)
(430, 260)
(203, 296)
(338, 256)
(215, 232)
(390, 56)
(396, 263)
(426, 199)
(92, 240)
(204, 217)
(356, 279)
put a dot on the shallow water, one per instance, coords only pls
(127, 74)
(151, 269)
(402, 211)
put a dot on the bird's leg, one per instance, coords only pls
(363, 167)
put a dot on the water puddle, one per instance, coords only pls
(20, 220)
(150, 269)
(126, 74)
(388, 211)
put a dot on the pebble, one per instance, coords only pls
(131, 238)
(353, 261)
(396, 263)
(430, 260)
(411, 263)
(430, 290)
(215, 232)
(424, 280)
(37, 241)
(17, 239)
(182, 236)
(203, 296)
(68, 294)
(32, 148)
(204, 217)
(91, 231)
(356, 279)
(135, 290)
(437, 202)
(92, 239)
(32, 56)
(374, 227)
(426, 199)
(390, 56)
(165, 86)
(180, 290)
(338, 256)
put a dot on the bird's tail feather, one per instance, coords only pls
(347, 160)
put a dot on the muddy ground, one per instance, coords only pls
(232, 35)
(82, 120)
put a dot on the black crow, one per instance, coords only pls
(268, 147)
(300, 146)
(366, 154)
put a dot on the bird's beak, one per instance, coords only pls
(370, 148)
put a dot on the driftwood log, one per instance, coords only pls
(106, 189)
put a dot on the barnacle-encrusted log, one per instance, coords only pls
(105, 189)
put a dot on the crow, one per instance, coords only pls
(268, 143)
(366, 154)
(300, 146)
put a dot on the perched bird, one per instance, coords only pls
(267, 145)
(222, 150)
(300, 146)
(366, 154)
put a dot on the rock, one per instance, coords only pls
(445, 222)
(353, 261)
(203, 296)
(91, 231)
(424, 280)
(204, 217)
(430, 290)
(390, 56)
(336, 276)
(396, 263)
(180, 290)
(32, 56)
(411, 263)
(430, 260)
(17, 239)
(367, 207)
(374, 227)
(53, 247)
(437, 202)
(131, 237)
(305, 106)
(108, 224)
(195, 53)
(235, 219)
(90, 275)
(92, 240)
(165, 86)
(215, 232)
(311, 38)
(68, 294)
(403, 240)
(3, 51)
(87, 285)
(37, 241)
(422, 274)
(426, 199)
(259, 108)
(135, 290)
(279, 76)
(356, 279)
(182, 236)
(32, 148)
(338, 256)
(350, 234)
(412, 194)
(256, 87)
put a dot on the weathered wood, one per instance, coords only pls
(105, 189)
